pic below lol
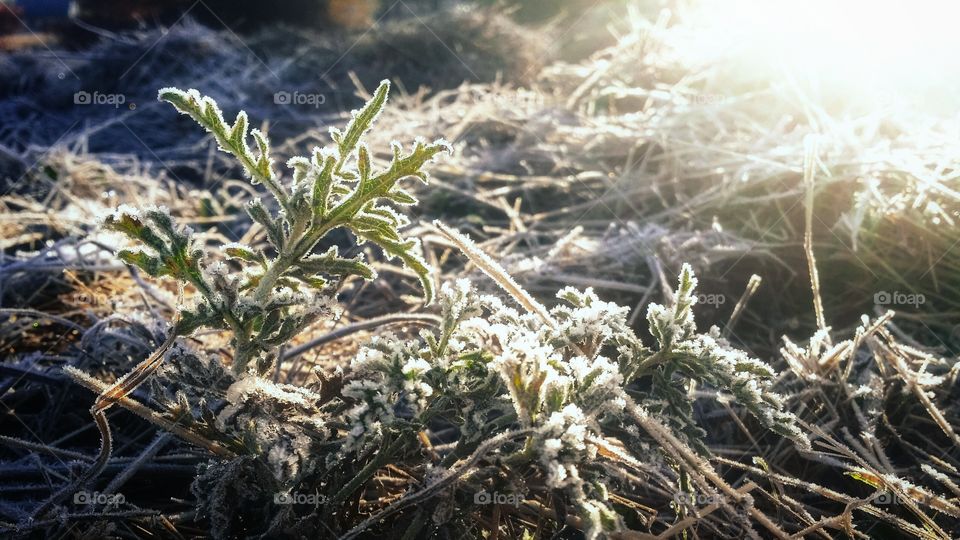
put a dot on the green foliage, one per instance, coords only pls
(275, 295)
(685, 358)
(539, 395)
(554, 395)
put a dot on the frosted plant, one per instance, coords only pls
(276, 421)
(265, 297)
(538, 403)
(689, 357)
(559, 389)
(562, 375)
(279, 291)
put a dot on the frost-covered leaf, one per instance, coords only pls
(332, 265)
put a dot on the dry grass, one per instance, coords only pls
(608, 172)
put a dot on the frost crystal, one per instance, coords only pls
(499, 396)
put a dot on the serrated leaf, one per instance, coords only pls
(205, 112)
(363, 163)
(402, 196)
(151, 239)
(162, 220)
(375, 228)
(238, 133)
(148, 263)
(263, 162)
(362, 120)
(259, 214)
(315, 282)
(200, 316)
(405, 252)
(330, 264)
(181, 100)
(323, 183)
(270, 323)
(125, 223)
(244, 253)
(288, 328)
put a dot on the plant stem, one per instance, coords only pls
(382, 458)
(300, 247)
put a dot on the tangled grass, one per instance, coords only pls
(609, 172)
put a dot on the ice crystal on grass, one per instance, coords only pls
(532, 402)
(487, 367)
(489, 370)
(685, 357)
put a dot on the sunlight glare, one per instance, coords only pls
(906, 49)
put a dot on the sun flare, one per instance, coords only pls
(901, 52)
